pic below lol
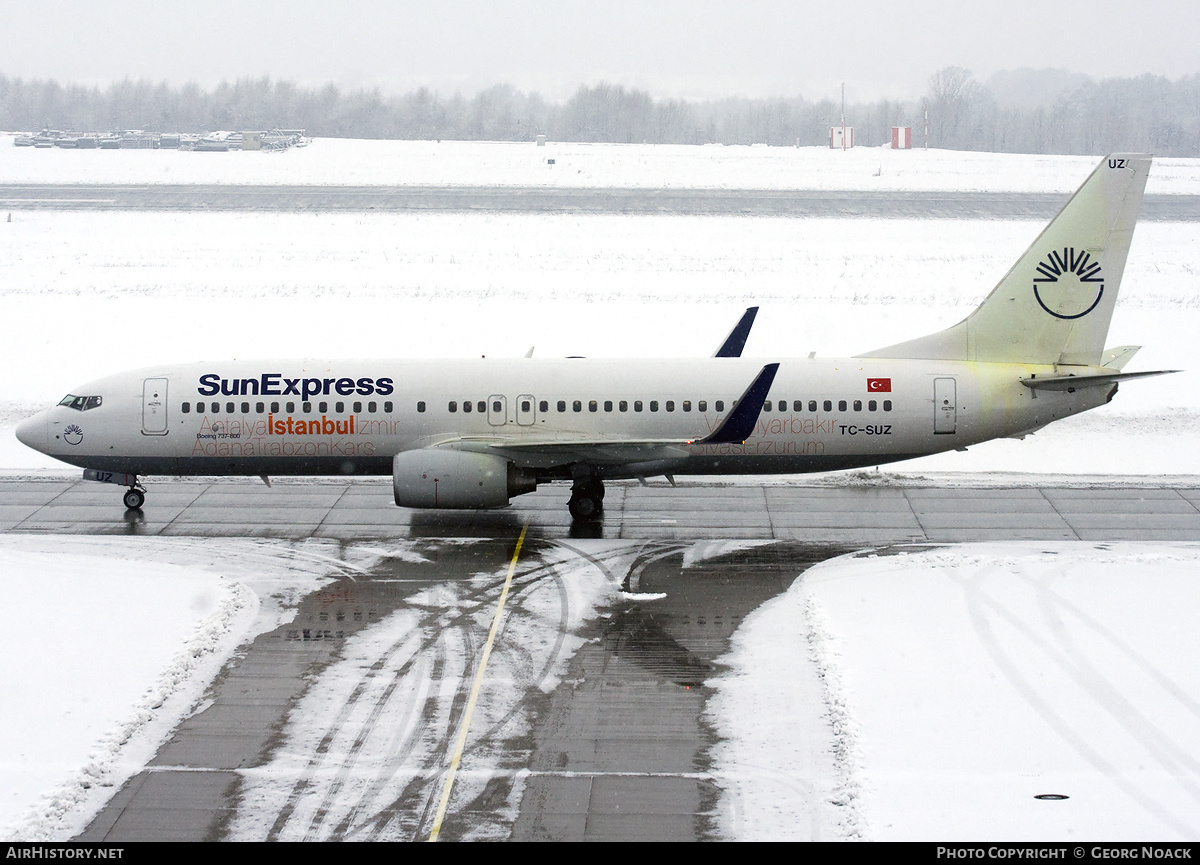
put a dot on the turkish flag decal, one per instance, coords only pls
(879, 385)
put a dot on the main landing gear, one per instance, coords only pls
(587, 499)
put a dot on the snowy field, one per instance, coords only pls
(343, 162)
(1050, 662)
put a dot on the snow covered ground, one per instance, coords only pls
(86, 294)
(115, 642)
(936, 694)
(347, 162)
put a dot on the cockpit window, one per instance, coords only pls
(81, 403)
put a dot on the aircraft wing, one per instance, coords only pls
(611, 451)
(593, 452)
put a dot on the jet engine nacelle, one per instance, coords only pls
(446, 478)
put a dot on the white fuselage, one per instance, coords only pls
(352, 417)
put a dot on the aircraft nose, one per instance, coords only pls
(32, 432)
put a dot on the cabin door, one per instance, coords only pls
(945, 406)
(154, 407)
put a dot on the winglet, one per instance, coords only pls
(740, 422)
(736, 341)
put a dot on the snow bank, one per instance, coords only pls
(115, 642)
(955, 685)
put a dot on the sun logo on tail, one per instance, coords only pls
(1069, 284)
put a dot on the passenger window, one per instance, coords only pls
(637, 405)
(291, 408)
(229, 408)
(274, 408)
(245, 408)
(526, 406)
(828, 405)
(719, 405)
(767, 405)
(387, 407)
(497, 406)
(858, 405)
(259, 407)
(452, 407)
(544, 406)
(186, 407)
(623, 405)
(562, 405)
(323, 407)
(466, 406)
(577, 405)
(841, 405)
(339, 407)
(702, 405)
(798, 405)
(887, 405)
(481, 406)
(592, 406)
(872, 405)
(306, 407)
(653, 405)
(812, 405)
(216, 408)
(670, 405)
(357, 407)
(371, 406)
(420, 407)
(687, 405)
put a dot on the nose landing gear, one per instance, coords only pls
(134, 498)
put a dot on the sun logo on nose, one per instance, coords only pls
(73, 435)
(1068, 285)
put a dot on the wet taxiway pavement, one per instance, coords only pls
(673, 202)
(853, 515)
(587, 731)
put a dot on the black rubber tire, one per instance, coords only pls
(585, 507)
(134, 499)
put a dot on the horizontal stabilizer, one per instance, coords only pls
(1073, 383)
(736, 341)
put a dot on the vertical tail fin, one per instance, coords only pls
(1055, 304)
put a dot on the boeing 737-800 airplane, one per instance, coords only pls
(474, 433)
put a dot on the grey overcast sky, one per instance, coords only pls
(696, 49)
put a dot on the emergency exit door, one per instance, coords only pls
(497, 410)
